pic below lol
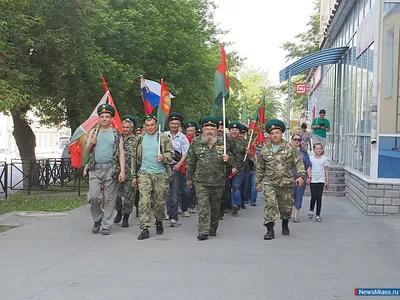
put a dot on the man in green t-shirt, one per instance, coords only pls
(320, 126)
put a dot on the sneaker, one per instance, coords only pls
(174, 223)
(253, 204)
(318, 219)
(235, 210)
(180, 211)
(105, 231)
(166, 217)
(96, 227)
(186, 214)
(192, 210)
(310, 215)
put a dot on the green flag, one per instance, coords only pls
(221, 84)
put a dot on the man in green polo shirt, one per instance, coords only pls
(320, 127)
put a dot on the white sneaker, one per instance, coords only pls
(174, 223)
(186, 214)
(166, 217)
(192, 210)
(310, 215)
(318, 219)
(180, 211)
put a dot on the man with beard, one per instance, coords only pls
(126, 194)
(230, 149)
(106, 165)
(152, 152)
(238, 165)
(277, 160)
(206, 164)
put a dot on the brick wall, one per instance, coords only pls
(373, 198)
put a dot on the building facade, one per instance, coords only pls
(361, 95)
(50, 141)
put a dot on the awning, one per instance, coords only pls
(319, 58)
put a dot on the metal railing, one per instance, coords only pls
(47, 175)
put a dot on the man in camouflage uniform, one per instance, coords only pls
(238, 165)
(206, 163)
(126, 193)
(230, 150)
(151, 173)
(277, 160)
(106, 168)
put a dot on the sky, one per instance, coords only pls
(259, 27)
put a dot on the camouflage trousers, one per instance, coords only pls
(278, 200)
(126, 197)
(193, 198)
(209, 203)
(152, 187)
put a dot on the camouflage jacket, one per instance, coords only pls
(276, 167)
(205, 165)
(92, 159)
(167, 150)
(128, 143)
(241, 146)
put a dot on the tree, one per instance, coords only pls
(255, 82)
(308, 43)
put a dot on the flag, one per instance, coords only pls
(150, 94)
(78, 141)
(261, 110)
(245, 119)
(164, 107)
(221, 84)
(260, 136)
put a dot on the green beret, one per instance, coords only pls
(221, 122)
(106, 108)
(129, 118)
(149, 116)
(190, 124)
(175, 116)
(209, 121)
(235, 124)
(275, 124)
(244, 129)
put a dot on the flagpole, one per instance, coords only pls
(248, 145)
(159, 139)
(223, 122)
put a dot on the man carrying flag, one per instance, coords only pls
(106, 166)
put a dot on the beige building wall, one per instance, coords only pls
(389, 104)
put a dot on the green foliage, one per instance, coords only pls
(52, 53)
(255, 82)
(23, 202)
(308, 43)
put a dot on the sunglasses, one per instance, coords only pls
(297, 140)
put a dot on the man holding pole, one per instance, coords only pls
(106, 165)
(152, 153)
(206, 162)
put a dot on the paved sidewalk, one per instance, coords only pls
(57, 258)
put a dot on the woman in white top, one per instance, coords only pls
(319, 180)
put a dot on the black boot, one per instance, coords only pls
(270, 233)
(285, 227)
(159, 227)
(96, 227)
(202, 237)
(144, 235)
(118, 217)
(125, 222)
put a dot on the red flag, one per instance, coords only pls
(260, 136)
(116, 121)
(253, 125)
(261, 110)
(164, 108)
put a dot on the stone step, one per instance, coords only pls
(332, 187)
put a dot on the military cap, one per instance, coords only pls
(275, 124)
(244, 129)
(106, 108)
(149, 116)
(175, 116)
(235, 124)
(221, 122)
(129, 118)
(138, 129)
(199, 130)
(190, 124)
(209, 121)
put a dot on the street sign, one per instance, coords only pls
(301, 88)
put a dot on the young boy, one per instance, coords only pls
(319, 180)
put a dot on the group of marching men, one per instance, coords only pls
(172, 173)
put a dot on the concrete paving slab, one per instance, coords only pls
(51, 258)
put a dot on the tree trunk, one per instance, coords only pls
(26, 143)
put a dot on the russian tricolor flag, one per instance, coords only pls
(151, 91)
